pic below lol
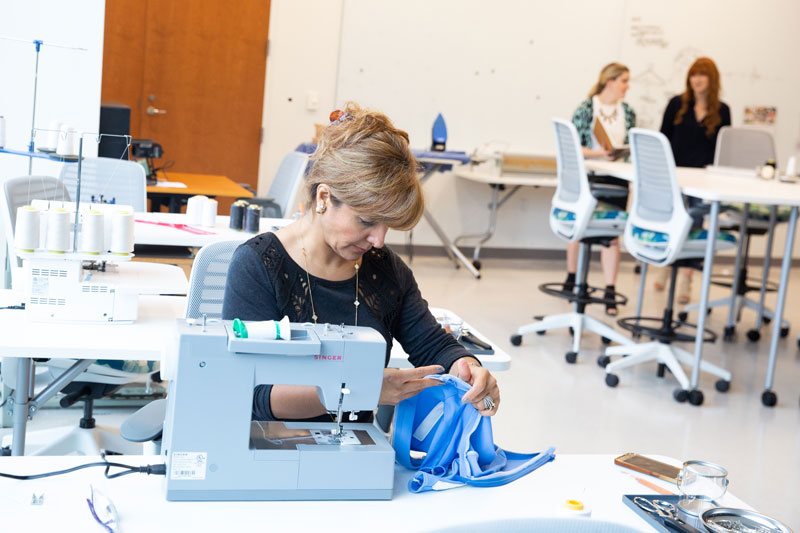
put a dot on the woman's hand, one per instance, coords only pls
(483, 385)
(599, 153)
(399, 384)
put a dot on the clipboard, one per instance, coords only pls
(605, 142)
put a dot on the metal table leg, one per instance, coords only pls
(769, 398)
(20, 405)
(708, 263)
(496, 204)
(773, 212)
(730, 326)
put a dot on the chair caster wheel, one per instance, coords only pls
(769, 398)
(516, 340)
(682, 316)
(766, 319)
(753, 335)
(476, 264)
(637, 269)
(784, 332)
(603, 361)
(722, 385)
(571, 357)
(680, 395)
(571, 330)
(605, 340)
(541, 332)
(612, 380)
(728, 334)
(696, 397)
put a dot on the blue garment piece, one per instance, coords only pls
(457, 440)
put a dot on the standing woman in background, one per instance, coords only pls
(604, 104)
(691, 122)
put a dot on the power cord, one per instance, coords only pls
(156, 470)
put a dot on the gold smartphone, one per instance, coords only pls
(648, 466)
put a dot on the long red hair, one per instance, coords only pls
(703, 65)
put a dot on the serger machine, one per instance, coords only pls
(69, 278)
(215, 451)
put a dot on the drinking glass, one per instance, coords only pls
(700, 483)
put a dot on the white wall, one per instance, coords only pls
(69, 81)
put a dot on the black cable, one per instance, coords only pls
(157, 469)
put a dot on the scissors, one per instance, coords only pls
(666, 512)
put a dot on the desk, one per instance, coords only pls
(204, 184)
(148, 230)
(716, 187)
(141, 505)
(498, 183)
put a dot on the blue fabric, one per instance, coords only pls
(459, 446)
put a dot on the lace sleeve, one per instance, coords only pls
(249, 294)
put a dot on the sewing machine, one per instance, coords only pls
(214, 451)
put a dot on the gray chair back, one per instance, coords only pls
(288, 181)
(207, 280)
(655, 187)
(106, 180)
(743, 147)
(570, 173)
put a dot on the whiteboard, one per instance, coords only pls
(498, 71)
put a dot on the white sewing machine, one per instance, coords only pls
(214, 451)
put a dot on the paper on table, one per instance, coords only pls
(171, 184)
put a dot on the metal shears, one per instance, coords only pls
(667, 512)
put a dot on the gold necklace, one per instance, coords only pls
(314, 317)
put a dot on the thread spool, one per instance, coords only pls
(209, 213)
(577, 508)
(2, 131)
(791, 166)
(194, 209)
(122, 233)
(263, 330)
(237, 214)
(26, 234)
(67, 142)
(57, 240)
(252, 218)
(92, 240)
(50, 139)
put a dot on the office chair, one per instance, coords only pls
(100, 378)
(659, 232)
(282, 195)
(746, 148)
(206, 293)
(106, 180)
(576, 215)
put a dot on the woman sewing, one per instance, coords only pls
(331, 266)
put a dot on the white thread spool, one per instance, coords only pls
(194, 209)
(209, 212)
(576, 508)
(26, 234)
(92, 233)
(50, 140)
(57, 240)
(122, 233)
(263, 330)
(2, 131)
(67, 142)
(791, 167)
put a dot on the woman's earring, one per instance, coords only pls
(320, 208)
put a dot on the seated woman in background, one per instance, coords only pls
(605, 105)
(691, 122)
(331, 266)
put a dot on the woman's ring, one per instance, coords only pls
(488, 403)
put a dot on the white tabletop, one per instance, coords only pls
(141, 505)
(715, 185)
(146, 232)
(527, 180)
(147, 338)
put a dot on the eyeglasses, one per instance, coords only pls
(103, 510)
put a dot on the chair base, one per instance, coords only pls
(578, 322)
(666, 354)
(741, 302)
(79, 441)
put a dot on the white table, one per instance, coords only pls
(717, 187)
(149, 230)
(515, 181)
(141, 505)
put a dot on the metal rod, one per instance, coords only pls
(78, 193)
(708, 263)
(33, 114)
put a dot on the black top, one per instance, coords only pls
(265, 283)
(690, 144)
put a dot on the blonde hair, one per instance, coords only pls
(610, 72)
(369, 167)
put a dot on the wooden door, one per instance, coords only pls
(201, 62)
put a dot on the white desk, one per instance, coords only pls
(718, 187)
(497, 183)
(149, 230)
(141, 505)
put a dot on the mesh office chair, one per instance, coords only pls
(281, 199)
(576, 215)
(106, 180)
(98, 379)
(206, 293)
(659, 232)
(746, 148)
